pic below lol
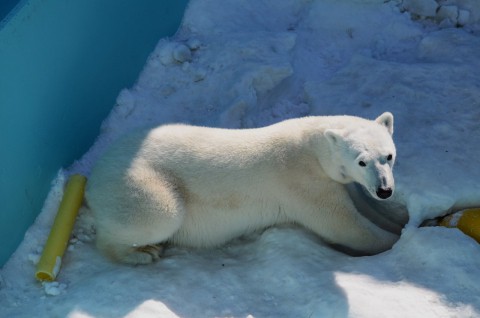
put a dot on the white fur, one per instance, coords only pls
(201, 187)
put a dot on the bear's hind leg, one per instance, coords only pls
(148, 212)
(132, 255)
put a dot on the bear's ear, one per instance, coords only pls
(333, 136)
(386, 119)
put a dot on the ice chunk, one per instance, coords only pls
(34, 258)
(463, 17)
(181, 53)
(423, 8)
(448, 12)
(165, 53)
(194, 44)
(53, 288)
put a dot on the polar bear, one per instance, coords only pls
(201, 187)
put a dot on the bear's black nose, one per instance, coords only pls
(384, 193)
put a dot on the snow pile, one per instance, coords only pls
(241, 64)
(447, 13)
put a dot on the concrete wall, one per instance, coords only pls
(62, 64)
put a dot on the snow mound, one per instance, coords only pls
(242, 64)
(447, 13)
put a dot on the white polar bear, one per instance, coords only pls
(201, 187)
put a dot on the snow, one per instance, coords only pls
(240, 64)
(426, 8)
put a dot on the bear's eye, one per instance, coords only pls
(389, 157)
(362, 164)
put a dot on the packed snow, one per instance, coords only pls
(241, 64)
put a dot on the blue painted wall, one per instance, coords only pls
(6, 6)
(62, 64)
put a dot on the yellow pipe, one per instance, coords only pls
(468, 221)
(51, 260)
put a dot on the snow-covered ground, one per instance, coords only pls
(241, 64)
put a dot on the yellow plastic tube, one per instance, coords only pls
(467, 221)
(51, 259)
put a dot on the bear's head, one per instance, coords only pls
(363, 151)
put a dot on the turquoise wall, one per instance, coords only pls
(6, 6)
(62, 64)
